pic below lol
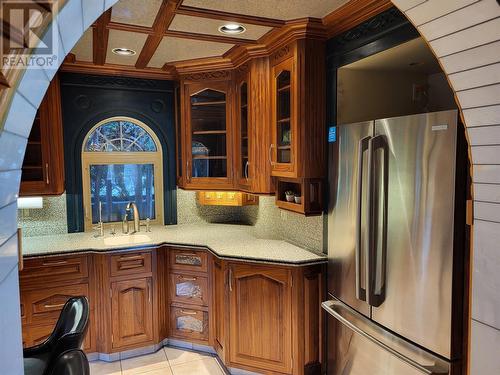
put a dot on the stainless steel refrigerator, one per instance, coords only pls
(395, 234)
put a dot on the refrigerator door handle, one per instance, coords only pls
(369, 238)
(423, 361)
(362, 147)
(374, 229)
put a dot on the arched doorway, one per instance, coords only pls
(465, 37)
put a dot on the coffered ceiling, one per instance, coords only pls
(165, 33)
(279, 9)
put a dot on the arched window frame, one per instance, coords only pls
(119, 157)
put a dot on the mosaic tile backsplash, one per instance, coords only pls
(49, 220)
(266, 220)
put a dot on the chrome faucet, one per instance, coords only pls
(135, 211)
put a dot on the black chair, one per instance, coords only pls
(71, 362)
(68, 334)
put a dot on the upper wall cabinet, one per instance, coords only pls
(252, 127)
(298, 149)
(43, 165)
(298, 110)
(206, 139)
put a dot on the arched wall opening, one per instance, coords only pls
(463, 34)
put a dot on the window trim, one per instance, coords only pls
(120, 157)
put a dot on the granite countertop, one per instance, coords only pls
(224, 240)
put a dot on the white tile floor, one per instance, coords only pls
(166, 361)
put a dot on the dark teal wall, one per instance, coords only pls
(87, 100)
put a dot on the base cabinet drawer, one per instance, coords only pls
(189, 323)
(130, 263)
(189, 260)
(42, 305)
(189, 289)
(54, 269)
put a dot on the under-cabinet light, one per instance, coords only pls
(29, 202)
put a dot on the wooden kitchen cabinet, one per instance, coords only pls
(298, 119)
(260, 323)
(259, 317)
(46, 283)
(131, 312)
(43, 165)
(298, 149)
(207, 134)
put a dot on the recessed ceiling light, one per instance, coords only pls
(232, 28)
(123, 51)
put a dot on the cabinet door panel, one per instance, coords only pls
(260, 317)
(189, 289)
(208, 142)
(285, 135)
(43, 165)
(132, 312)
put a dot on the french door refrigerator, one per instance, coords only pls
(395, 225)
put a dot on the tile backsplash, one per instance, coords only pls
(49, 220)
(266, 220)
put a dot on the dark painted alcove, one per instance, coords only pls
(89, 99)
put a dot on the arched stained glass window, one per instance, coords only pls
(119, 136)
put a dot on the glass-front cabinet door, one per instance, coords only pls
(283, 149)
(208, 132)
(242, 132)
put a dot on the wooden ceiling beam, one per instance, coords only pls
(226, 16)
(162, 22)
(100, 36)
(209, 38)
(180, 34)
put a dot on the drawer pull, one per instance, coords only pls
(54, 263)
(188, 278)
(54, 306)
(186, 312)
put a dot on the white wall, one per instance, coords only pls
(465, 36)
